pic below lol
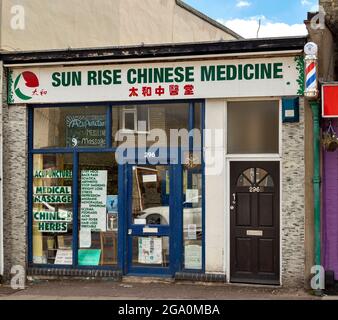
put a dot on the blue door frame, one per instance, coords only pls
(163, 230)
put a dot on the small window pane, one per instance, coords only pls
(260, 174)
(150, 198)
(244, 182)
(192, 218)
(253, 127)
(142, 113)
(150, 252)
(129, 120)
(69, 127)
(266, 182)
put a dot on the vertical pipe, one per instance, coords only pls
(1, 174)
(316, 180)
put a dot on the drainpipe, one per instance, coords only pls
(311, 93)
(1, 176)
(316, 180)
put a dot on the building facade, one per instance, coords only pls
(110, 188)
(326, 39)
(94, 24)
(103, 23)
(184, 160)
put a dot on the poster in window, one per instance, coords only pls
(193, 257)
(191, 196)
(150, 250)
(112, 203)
(64, 257)
(94, 200)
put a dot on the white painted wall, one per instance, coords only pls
(62, 24)
(215, 185)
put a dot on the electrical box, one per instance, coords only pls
(290, 109)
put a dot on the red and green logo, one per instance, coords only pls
(24, 83)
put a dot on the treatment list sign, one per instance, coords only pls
(93, 200)
(260, 77)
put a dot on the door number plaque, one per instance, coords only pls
(255, 233)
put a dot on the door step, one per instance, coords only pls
(147, 279)
(200, 277)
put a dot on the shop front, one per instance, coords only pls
(328, 244)
(98, 201)
(180, 167)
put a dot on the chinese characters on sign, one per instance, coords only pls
(41, 92)
(173, 90)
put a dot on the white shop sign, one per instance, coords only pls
(157, 81)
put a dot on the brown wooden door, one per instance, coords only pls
(254, 222)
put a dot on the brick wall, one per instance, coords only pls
(331, 10)
(15, 185)
(293, 211)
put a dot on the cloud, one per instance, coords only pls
(314, 8)
(242, 4)
(306, 3)
(312, 5)
(248, 28)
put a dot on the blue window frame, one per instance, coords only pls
(178, 264)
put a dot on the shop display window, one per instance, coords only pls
(75, 196)
(52, 209)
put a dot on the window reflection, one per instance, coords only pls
(192, 218)
(150, 196)
(58, 127)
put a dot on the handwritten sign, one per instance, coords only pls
(64, 257)
(85, 130)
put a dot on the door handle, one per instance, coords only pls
(234, 198)
(130, 231)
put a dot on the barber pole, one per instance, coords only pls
(311, 79)
(311, 76)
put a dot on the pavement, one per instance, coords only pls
(149, 290)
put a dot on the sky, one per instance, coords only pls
(278, 17)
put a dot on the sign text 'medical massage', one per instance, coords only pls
(229, 72)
